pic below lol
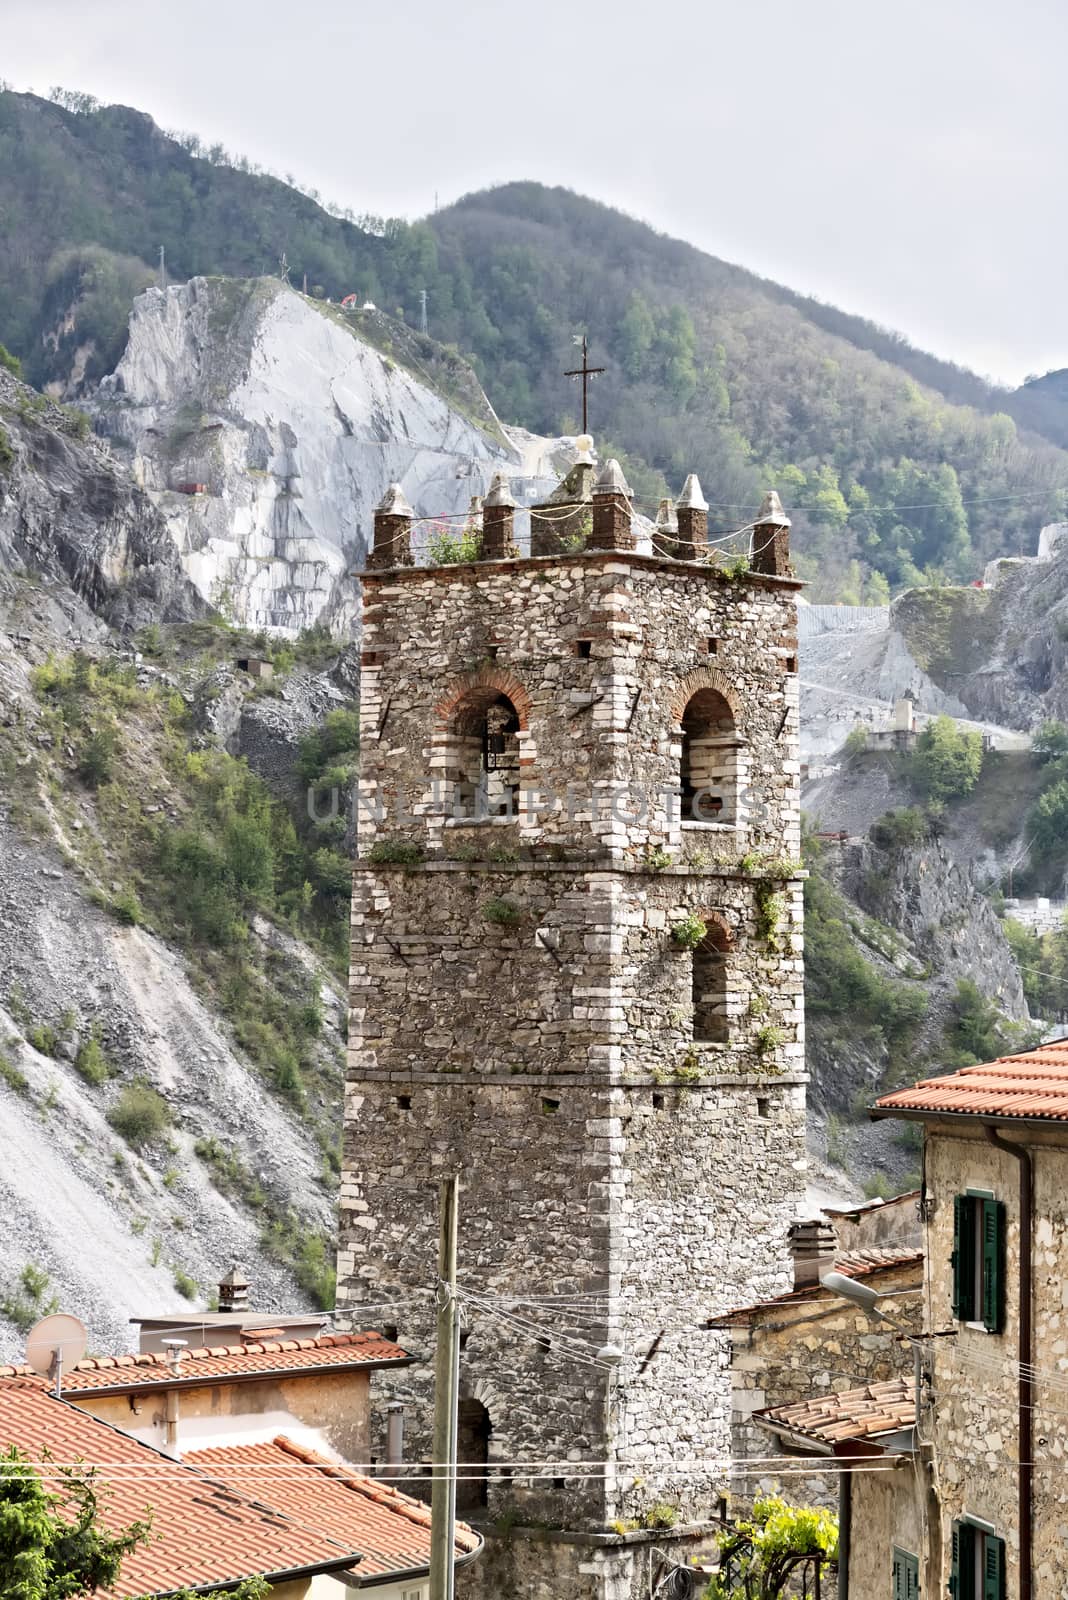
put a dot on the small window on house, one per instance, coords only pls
(791, 663)
(389, 1331)
(713, 647)
(549, 1107)
(978, 1261)
(404, 1102)
(544, 1344)
(763, 1106)
(465, 1335)
(492, 652)
(906, 1576)
(658, 1101)
(558, 1483)
(583, 647)
(977, 1563)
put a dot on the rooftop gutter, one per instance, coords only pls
(195, 1380)
(352, 1580)
(976, 1118)
(288, 1575)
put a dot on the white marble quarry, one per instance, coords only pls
(266, 429)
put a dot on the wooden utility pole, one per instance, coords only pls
(446, 1386)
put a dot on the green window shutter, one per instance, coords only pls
(993, 1568)
(963, 1258)
(962, 1568)
(993, 1266)
(906, 1575)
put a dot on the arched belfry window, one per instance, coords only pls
(482, 755)
(711, 1023)
(710, 770)
(480, 744)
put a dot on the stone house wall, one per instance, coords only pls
(971, 1426)
(800, 1351)
(976, 1417)
(888, 1511)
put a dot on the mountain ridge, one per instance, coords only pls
(708, 366)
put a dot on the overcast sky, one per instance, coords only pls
(904, 161)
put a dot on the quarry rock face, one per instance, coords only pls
(266, 426)
(69, 514)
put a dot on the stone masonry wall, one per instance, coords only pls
(521, 1012)
(975, 1422)
(596, 725)
(788, 1352)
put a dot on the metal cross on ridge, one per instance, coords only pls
(585, 372)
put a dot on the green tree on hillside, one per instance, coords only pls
(947, 760)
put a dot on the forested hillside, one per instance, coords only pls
(890, 478)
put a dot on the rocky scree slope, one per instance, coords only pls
(148, 1141)
(266, 426)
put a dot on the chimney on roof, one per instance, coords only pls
(393, 531)
(233, 1290)
(498, 521)
(691, 509)
(813, 1246)
(394, 1439)
(611, 510)
(771, 539)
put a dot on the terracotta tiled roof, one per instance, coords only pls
(391, 1528)
(217, 1363)
(203, 1530)
(854, 1264)
(1031, 1085)
(860, 1416)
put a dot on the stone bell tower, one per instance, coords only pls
(577, 978)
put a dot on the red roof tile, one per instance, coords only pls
(255, 1359)
(1033, 1085)
(854, 1263)
(392, 1529)
(857, 1416)
(203, 1530)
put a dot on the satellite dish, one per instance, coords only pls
(54, 1343)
